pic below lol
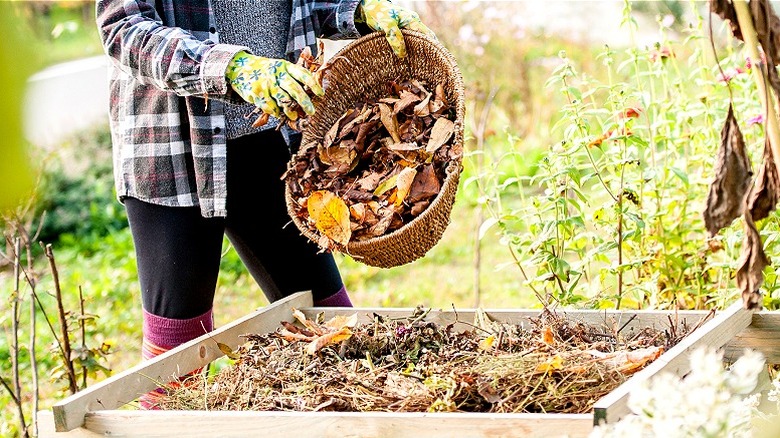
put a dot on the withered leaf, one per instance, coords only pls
(404, 183)
(389, 121)
(407, 98)
(386, 185)
(425, 184)
(330, 215)
(752, 261)
(765, 194)
(419, 207)
(421, 109)
(440, 134)
(726, 198)
(328, 339)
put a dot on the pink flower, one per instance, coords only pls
(755, 120)
(729, 74)
(661, 53)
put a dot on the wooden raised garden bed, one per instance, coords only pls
(97, 410)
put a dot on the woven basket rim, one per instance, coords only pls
(453, 167)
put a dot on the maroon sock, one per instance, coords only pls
(161, 334)
(339, 299)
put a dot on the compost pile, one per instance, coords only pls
(378, 167)
(553, 364)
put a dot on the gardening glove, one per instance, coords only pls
(273, 85)
(384, 16)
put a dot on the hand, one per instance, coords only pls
(273, 85)
(384, 16)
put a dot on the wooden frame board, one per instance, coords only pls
(96, 409)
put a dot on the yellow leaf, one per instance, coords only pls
(486, 343)
(330, 215)
(550, 365)
(228, 351)
(386, 185)
(404, 183)
(327, 339)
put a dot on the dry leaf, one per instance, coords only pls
(765, 195)
(425, 185)
(338, 322)
(389, 121)
(404, 183)
(328, 339)
(552, 364)
(726, 198)
(628, 362)
(228, 351)
(486, 343)
(330, 215)
(547, 335)
(440, 134)
(752, 261)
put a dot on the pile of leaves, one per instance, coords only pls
(411, 364)
(379, 166)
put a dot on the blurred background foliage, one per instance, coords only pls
(563, 200)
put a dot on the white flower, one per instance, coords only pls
(743, 375)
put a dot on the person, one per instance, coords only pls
(188, 165)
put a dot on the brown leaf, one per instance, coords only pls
(422, 109)
(419, 207)
(330, 215)
(357, 212)
(425, 184)
(752, 261)
(765, 194)
(440, 134)
(407, 98)
(389, 121)
(328, 339)
(726, 198)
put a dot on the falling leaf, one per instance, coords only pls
(440, 134)
(404, 183)
(330, 215)
(552, 364)
(328, 339)
(726, 198)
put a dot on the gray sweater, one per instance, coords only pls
(261, 25)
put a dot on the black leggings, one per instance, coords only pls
(178, 250)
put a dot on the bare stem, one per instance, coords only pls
(66, 349)
(82, 324)
(16, 380)
(32, 345)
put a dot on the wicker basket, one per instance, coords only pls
(361, 71)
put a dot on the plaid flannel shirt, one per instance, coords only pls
(168, 88)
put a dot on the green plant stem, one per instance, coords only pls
(82, 324)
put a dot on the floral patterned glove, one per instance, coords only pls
(384, 16)
(273, 85)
